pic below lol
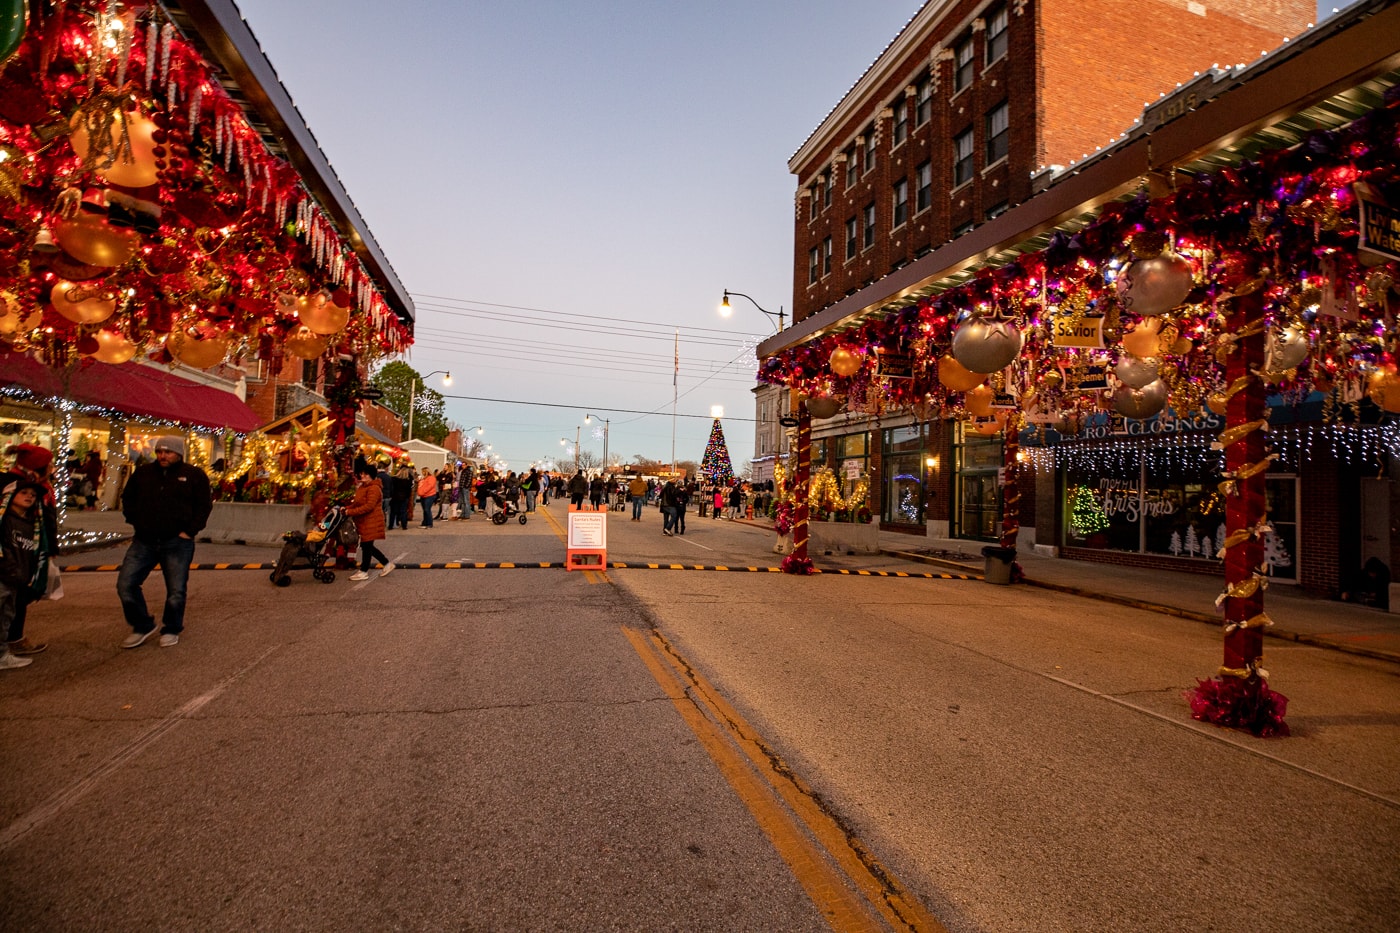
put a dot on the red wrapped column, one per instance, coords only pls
(1011, 497)
(798, 561)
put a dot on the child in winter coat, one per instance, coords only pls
(20, 531)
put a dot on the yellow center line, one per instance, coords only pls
(843, 910)
(899, 907)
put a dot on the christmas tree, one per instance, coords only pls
(1086, 515)
(1275, 552)
(715, 467)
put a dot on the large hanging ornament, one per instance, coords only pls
(1155, 285)
(304, 344)
(1284, 349)
(15, 318)
(134, 167)
(320, 315)
(1144, 340)
(113, 347)
(845, 362)
(823, 407)
(1383, 387)
(197, 352)
(83, 303)
(956, 376)
(1137, 373)
(1141, 403)
(979, 401)
(89, 238)
(983, 346)
(12, 22)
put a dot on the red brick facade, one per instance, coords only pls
(1072, 76)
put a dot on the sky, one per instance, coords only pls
(562, 185)
(566, 187)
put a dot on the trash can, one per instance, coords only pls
(999, 561)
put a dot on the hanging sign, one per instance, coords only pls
(896, 365)
(1094, 378)
(1380, 228)
(1085, 332)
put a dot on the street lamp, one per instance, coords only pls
(413, 394)
(588, 419)
(725, 310)
(564, 442)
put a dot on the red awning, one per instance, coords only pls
(134, 390)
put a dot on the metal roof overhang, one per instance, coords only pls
(1325, 80)
(218, 31)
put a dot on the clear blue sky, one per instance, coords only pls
(561, 184)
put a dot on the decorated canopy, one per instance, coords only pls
(148, 208)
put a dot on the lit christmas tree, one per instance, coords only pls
(715, 467)
(1086, 515)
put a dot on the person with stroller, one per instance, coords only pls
(368, 513)
(510, 492)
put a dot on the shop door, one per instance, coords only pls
(1281, 545)
(977, 506)
(1375, 521)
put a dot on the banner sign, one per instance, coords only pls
(1380, 229)
(1084, 332)
(896, 365)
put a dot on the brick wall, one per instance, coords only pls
(1102, 61)
(1150, 561)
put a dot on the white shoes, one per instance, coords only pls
(387, 569)
(359, 575)
(169, 640)
(10, 661)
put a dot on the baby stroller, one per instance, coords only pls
(311, 547)
(505, 508)
(620, 501)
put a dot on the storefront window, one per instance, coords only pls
(902, 464)
(850, 460)
(1281, 544)
(978, 494)
(1182, 515)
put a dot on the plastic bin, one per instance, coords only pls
(999, 563)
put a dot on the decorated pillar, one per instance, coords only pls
(1239, 696)
(1011, 497)
(798, 561)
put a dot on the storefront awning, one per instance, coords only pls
(134, 391)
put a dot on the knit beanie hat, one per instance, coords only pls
(32, 457)
(171, 442)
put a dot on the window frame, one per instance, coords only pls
(813, 265)
(964, 68)
(869, 152)
(923, 186)
(923, 101)
(899, 203)
(996, 42)
(964, 163)
(852, 167)
(899, 128)
(997, 141)
(852, 237)
(826, 256)
(868, 217)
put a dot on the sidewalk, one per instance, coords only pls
(1297, 616)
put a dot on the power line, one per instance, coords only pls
(575, 405)
(571, 314)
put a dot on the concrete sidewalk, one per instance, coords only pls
(1297, 616)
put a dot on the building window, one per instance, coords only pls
(852, 238)
(997, 134)
(962, 159)
(826, 256)
(827, 182)
(996, 34)
(901, 121)
(962, 59)
(814, 260)
(869, 225)
(813, 205)
(868, 158)
(852, 172)
(310, 373)
(923, 187)
(923, 101)
(901, 202)
(997, 210)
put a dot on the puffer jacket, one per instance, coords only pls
(368, 511)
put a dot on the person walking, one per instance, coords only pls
(427, 495)
(400, 495)
(683, 493)
(444, 496)
(578, 489)
(368, 513)
(386, 492)
(669, 497)
(32, 464)
(21, 531)
(595, 493)
(637, 490)
(166, 503)
(736, 501)
(465, 492)
(530, 485)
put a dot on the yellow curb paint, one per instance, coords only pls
(843, 910)
(900, 909)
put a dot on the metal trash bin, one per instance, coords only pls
(999, 563)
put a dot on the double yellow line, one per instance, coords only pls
(842, 877)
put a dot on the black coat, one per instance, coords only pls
(162, 502)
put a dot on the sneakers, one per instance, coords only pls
(137, 639)
(359, 575)
(169, 640)
(386, 569)
(25, 646)
(9, 661)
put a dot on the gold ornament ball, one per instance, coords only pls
(1052, 379)
(305, 344)
(89, 238)
(113, 347)
(82, 304)
(320, 316)
(979, 401)
(196, 352)
(1143, 340)
(844, 362)
(136, 171)
(14, 319)
(956, 376)
(1384, 389)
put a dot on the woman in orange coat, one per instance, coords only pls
(368, 512)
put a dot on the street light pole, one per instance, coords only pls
(725, 309)
(588, 419)
(413, 393)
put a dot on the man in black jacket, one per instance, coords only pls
(167, 503)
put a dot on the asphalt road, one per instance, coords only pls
(509, 750)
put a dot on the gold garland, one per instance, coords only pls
(1262, 620)
(1238, 433)
(1252, 669)
(1244, 589)
(823, 491)
(261, 450)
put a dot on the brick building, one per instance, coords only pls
(929, 212)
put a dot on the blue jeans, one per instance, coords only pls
(668, 515)
(530, 495)
(398, 514)
(174, 556)
(637, 503)
(427, 503)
